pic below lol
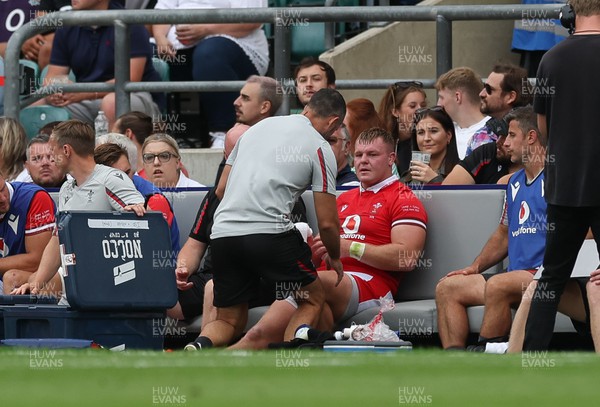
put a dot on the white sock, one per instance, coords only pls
(496, 347)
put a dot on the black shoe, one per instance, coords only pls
(310, 339)
(202, 342)
(475, 348)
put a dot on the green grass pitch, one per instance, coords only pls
(94, 377)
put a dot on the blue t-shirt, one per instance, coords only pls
(90, 52)
(525, 211)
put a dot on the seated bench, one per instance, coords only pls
(461, 219)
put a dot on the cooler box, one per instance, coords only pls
(125, 330)
(117, 261)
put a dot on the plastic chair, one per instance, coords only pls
(308, 39)
(29, 75)
(33, 118)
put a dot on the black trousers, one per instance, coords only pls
(567, 227)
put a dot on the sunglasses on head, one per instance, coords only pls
(407, 84)
(423, 110)
(403, 85)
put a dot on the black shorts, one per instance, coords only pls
(192, 300)
(239, 263)
(583, 328)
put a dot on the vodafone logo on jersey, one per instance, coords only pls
(350, 226)
(523, 212)
(533, 225)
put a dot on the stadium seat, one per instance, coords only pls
(29, 74)
(33, 118)
(309, 39)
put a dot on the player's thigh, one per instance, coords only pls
(466, 290)
(510, 285)
(573, 301)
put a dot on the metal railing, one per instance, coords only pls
(443, 16)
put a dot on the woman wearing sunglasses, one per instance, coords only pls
(396, 109)
(432, 133)
(162, 163)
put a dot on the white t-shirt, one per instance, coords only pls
(255, 44)
(463, 135)
(185, 182)
(23, 176)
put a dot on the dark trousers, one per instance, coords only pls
(567, 227)
(220, 59)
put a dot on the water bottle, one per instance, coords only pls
(101, 124)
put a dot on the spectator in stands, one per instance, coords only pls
(93, 188)
(360, 116)
(458, 93)
(27, 221)
(433, 133)
(397, 109)
(521, 234)
(260, 98)
(217, 52)
(40, 163)
(243, 225)
(136, 126)
(73, 49)
(117, 151)
(13, 147)
(374, 253)
(162, 161)
(340, 142)
(506, 88)
(565, 103)
(487, 164)
(47, 129)
(312, 75)
(39, 47)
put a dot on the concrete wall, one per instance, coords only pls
(406, 50)
(202, 163)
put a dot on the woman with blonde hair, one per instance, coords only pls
(162, 163)
(13, 146)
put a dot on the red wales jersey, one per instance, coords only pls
(368, 216)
